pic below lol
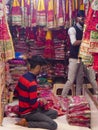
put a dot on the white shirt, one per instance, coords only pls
(72, 33)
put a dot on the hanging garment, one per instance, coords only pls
(27, 13)
(41, 14)
(89, 43)
(85, 53)
(33, 13)
(50, 14)
(49, 46)
(16, 13)
(94, 41)
(67, 10)
(92, 17)
(22, 13)
(60, 18)
(6, 44)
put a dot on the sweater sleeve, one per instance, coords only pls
(33, 95)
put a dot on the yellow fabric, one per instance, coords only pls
(73, 5)
(82, 7)
(34, 4)
(28, 2)
(50, 5)
(22, 3)
(41, 5)
(76, 2)
(49, 35)
(55, 7)
(67, 5)
(16, 3)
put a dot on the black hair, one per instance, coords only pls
(36, 60)
(81, 13)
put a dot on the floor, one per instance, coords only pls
(9, 124)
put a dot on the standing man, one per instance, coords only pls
(32, 115)
(75, 35)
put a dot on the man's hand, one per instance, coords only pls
(43, 100)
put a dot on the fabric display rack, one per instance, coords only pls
(30, 27)
(40, 27)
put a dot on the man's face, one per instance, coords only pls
(81, 21)
(37, 69)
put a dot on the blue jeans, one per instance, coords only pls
(42, 119)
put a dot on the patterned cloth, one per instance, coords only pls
(6, 44)
(90, 38)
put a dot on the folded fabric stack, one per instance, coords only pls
(59, 50)
(21, 46)
(59, 69)
(78, 111)
(34, 49)
(17, 68)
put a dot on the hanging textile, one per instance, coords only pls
(73, 9)
(67, 9)
(6, 44)
(63, 6)
(84, 52)
(60, 18)
(16, 13)
(27, 13)
(55, 12)
(41, 13)
(49, 46)
(50, 14)
(33, 13)
(90, 39)
(86, 6)
(23, 16)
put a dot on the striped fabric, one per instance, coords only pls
(26, 92)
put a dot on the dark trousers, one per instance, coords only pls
(42, 119)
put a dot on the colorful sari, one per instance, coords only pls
(89, 44)
(41, 13)
(6, 44)
(16, 13)
(50, 14)
(60, 16)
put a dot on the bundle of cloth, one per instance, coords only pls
(78, 113)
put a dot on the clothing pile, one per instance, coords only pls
(59, 69)
(78, 111)
(59, 50)
(54, 102)
(17, 67)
